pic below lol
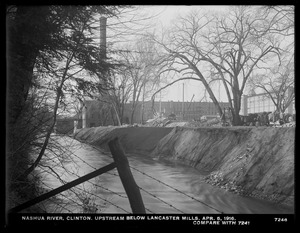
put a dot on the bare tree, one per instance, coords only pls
(140, 71)
(115, 99)
(278, 83)
(61, 74)
(228, 48)
(53, 45)
(132, 21)
(121, 94)
(278, 80)
(281, 19)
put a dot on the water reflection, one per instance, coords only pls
(107, 194)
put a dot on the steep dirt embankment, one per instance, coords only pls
(252, 161)
(133, 139)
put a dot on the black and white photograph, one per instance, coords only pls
(150, 115)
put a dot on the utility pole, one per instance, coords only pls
(160, 104)
(182, 101)
(143, 106)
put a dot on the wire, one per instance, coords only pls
(156, 197)
(110, 191)
(177, 190)
(89, 192)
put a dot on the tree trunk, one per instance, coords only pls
(207, 87)
(236, 119)
(132, 115)
(117, 115)
(21, 54)
(50, 130)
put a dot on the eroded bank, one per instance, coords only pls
(250, 161)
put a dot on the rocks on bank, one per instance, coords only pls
(253, 161)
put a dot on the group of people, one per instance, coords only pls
(252, 119)
(267, 119)
(259, 119)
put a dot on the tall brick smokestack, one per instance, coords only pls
(103, 37)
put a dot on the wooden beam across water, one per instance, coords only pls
(131, 188)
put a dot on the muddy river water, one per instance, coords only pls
(166, 187)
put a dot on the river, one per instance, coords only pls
(166, 187)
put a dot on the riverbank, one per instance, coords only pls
(251, 161)
(140, 140)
